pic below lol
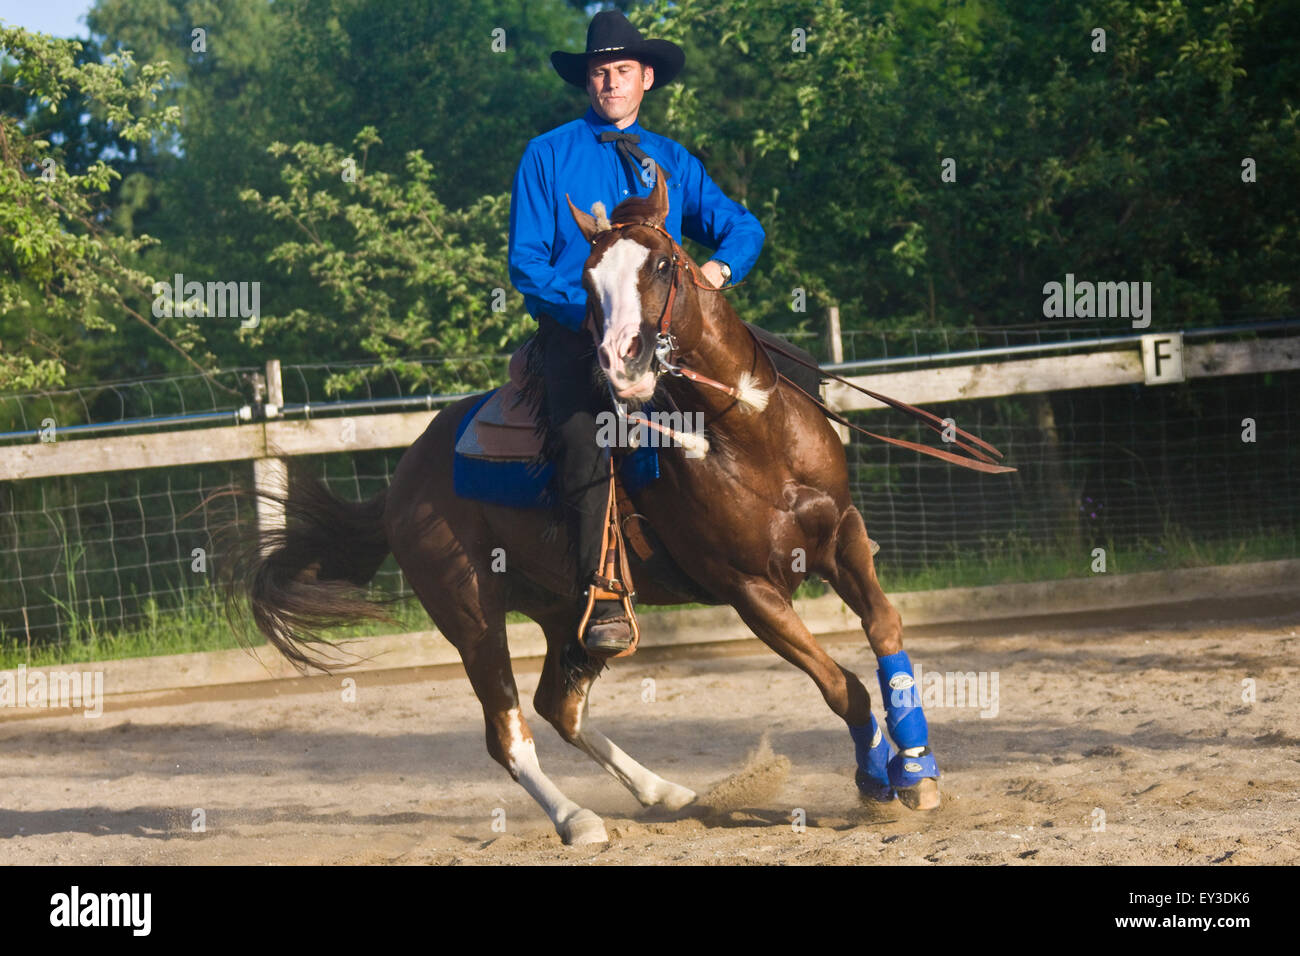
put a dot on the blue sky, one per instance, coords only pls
(59, 17)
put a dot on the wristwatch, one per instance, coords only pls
(726, 271)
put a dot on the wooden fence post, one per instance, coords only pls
(271, 474)
(836, 344)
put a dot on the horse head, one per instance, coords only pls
(636, 291)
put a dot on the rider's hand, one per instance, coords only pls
(713, 272)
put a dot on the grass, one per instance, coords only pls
(197, 625)
(1018, 561)
(196, 621)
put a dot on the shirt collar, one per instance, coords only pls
(599, 125)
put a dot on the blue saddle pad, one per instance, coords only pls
(526, 484)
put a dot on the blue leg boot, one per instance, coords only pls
(874, 753)
(913, 771)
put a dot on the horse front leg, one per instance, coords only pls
(770, 615)
(913, 771)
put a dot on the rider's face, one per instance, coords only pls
(616, 88)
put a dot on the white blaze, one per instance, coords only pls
(615, 281)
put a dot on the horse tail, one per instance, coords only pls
(310, 573)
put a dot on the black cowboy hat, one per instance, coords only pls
(609, 33)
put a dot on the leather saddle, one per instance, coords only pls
(505, 429)
(505, 426)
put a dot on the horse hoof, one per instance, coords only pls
(583, 827)
(871, 790)
(675, 797)
(923, 796)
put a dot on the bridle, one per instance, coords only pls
(665, 342)
(979, 458)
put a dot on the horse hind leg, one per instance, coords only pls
(913, 771)
(573, 823)
(468, 609)
(562, 697)
(510, 741)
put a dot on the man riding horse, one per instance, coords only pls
(731, 521)
(606, 157)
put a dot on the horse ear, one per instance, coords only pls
(586, 222)
(659, 198)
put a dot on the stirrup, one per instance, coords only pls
(614, 581)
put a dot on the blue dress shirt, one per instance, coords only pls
(548, 251)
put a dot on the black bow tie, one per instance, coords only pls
(638, 163)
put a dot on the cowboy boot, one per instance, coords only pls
(609, 631)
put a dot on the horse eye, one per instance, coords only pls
(663, 264)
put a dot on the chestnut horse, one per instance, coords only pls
(768, 503)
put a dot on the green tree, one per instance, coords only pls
(64, 276)
(427, 76)
(1123, 164)
(401, 275)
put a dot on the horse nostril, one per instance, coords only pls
(603, 356)
(634, 349)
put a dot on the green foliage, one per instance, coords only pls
(425, 75)
(62, 274)
(1124, 165)
(402, 275)
(1120, 165)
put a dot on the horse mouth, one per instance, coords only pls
(631, 377)
(640, 389)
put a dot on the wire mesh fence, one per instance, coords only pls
(88, 556)
(1202, 472)
(1157, 477)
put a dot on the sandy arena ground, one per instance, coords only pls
(1143, 722)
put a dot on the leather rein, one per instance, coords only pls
(981, 456)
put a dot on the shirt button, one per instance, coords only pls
(624, 192)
